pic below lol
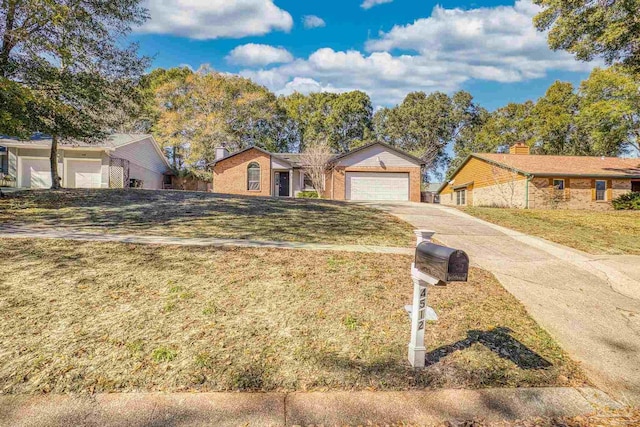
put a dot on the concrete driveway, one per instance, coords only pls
(589, 303)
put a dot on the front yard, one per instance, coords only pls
(188, 214)
(606, 232)
(103, 317)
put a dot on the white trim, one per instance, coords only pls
(19, 167)
(65, 179)
(461, 191)
(48, 147)
(290, 182)
(248, 182)
(276, 183)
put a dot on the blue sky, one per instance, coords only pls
(387, 49)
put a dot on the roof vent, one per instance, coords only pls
(519, 148)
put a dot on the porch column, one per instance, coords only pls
(290, 182)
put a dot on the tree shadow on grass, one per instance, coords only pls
(396, 373)
(499, 341)
(206, 215)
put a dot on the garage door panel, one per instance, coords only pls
(35, 173)
(377, 186)
(84, 174)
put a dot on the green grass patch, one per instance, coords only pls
(596, 232)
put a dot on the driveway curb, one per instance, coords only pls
(288, 409)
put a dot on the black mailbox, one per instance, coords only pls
(443, 263)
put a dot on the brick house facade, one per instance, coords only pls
(230, 176)
(522, 180)
(375, 171)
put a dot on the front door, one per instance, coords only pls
(283, 184)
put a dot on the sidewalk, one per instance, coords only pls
(8, 232)
(282, 409)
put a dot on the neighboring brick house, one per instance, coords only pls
(375, 171)
(522, 180)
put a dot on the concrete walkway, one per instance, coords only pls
(589, 303)
(282, 409)
(17, 232)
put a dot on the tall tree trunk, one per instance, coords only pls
(7, 38)
(175, 156)
(53, 159)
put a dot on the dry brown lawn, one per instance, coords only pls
(104, 317)
(607, 232)
(190, 214)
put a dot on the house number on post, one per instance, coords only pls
(433, 264)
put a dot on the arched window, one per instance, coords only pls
(253, 177)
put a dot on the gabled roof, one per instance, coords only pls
(387, 146)
(567, 165)
(240, 152)
(294, 159)
(560, 166)
(111, 142)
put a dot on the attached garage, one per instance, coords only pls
(111, 163)
(83, 173)
(377, 186)
(34, 172)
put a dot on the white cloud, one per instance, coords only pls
(313, 21)
(440, 52)
(385, 77)
(498, 43)
(259, 54)
(212, 19)
(368, 4)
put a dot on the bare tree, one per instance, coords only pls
(315, 160)
(505, 185)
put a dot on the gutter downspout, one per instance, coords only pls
(529, 178)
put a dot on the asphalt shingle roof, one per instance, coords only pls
(567, 165)
(113, 141)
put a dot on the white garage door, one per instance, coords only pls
(84, 174)
(35, 173)
(377, 186)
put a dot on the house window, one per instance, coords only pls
(253, 177)
(635, 186)
(601, 190)
(308, 184)
(558, 184)
(461, 197)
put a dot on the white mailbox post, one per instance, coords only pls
(433, 264)
(419, 311)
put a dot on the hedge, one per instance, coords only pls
(308, 194)
(628, 201)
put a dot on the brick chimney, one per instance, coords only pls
(221, 151)
(519, 148)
